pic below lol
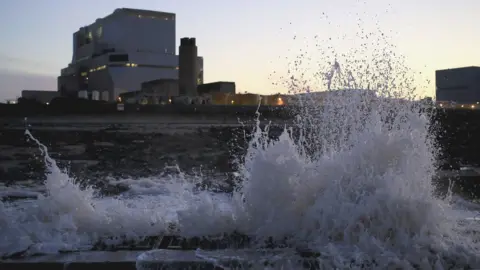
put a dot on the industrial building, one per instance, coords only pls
(152, 92)
(458, 87)
(119, 52)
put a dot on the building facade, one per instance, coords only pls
(458, 85)
(119, 52)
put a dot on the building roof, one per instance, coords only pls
(159, 81)
(138, 12)
(215, 83)
(142, 11)
(469, 67)
(132, 12)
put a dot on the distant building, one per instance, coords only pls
(40, 95)
(119, 52)
(161, 87)
(458, 85)
(217, 87)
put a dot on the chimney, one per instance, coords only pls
(187, 73)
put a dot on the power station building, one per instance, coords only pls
(458, 85)
(119, 52)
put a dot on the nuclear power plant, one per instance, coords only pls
(129, 57)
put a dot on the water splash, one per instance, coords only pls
(356, 185)
(69, 217)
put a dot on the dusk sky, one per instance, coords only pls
(243, 41)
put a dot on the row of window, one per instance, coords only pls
(83, 74)
(169, 18)
(98, 68)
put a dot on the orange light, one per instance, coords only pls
(280, 101)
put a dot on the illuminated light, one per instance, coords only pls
(119, 99)
(462, 106)
(441, 105)
(280, 101)
(48, 103)
(169, 100)
(176, 68)
(127, 64)
(478, 102)
(473, 106)
(232, 101)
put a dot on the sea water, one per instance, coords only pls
(351, 183)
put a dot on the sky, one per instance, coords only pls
(250, 42)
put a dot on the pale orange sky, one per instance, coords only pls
(245, 41)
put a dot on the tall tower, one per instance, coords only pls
(187, 68)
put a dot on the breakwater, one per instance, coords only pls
(62, 107)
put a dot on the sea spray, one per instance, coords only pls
(356, 186)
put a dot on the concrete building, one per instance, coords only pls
(40, 95)
(119, 52)
(458, 85)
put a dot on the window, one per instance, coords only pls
(88, 38)
(99, 31)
